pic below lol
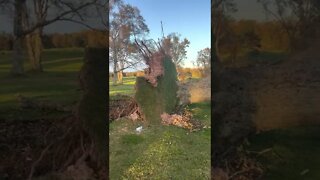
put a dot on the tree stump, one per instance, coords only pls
(155, 98)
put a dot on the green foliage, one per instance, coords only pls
(153, 101)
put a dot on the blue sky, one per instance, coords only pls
(190, 18)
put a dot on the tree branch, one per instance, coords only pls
(59, 17)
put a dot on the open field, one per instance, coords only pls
(59, 83)
(166, 152)
(127, 88)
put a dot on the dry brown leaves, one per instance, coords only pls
(176, 120)
(184, 120)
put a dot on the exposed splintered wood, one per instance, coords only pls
(154, 61)
(155, 69)
(92, 108)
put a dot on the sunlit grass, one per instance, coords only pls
(164, 152)
(127, 88)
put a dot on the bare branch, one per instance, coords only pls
(69, 5)
(57, 18)
(146, 48)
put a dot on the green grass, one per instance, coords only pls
(164, 152)
(161, 152)
(127, 88)
(294, 150)
(59, 82)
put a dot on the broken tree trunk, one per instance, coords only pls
(156, 93)
(92, 108)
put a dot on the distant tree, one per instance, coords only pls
(296, 17)
(176, 47)
(5, 41)
(245, 30)
(273, 36)
(126, 23)
(252, 41)
(204, 60)
(29, 19)
(220, 10)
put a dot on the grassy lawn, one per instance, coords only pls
(59, 82)
(294, 150)
(165, 152)
(127, 88)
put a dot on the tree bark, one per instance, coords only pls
(115, 63)
(92, 108)
(18, 38)
(217, 47)
(120, 73)
(115, 74)
(35, 49)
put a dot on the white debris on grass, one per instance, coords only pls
(139, 129)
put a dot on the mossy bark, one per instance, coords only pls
(153, 101)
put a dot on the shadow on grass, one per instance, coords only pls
(294, 150)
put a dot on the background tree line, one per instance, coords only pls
(127, 30)
(249, 35)
(31, 17)
(62, 40)
(293, 26)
